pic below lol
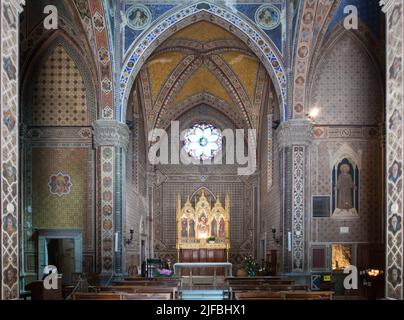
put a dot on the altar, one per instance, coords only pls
(203, 233)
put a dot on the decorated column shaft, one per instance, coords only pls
(111, 139)
(394, 146)
(293, 139)
(9, 19)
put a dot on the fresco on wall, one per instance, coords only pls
(268, 17)
(60, 184)
(138, 17)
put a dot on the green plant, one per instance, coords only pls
(251, 266)
(211, 239)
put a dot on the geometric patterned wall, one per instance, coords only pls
(368, 227)
(241, 223)
(346, 86)
(348, 91)
(59, 93)
(70, 109)
(58, 190)
(186, 179)
(64, 210)
(136, 181)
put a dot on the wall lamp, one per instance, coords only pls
(130, 240)
(276, 239)
(313, 114)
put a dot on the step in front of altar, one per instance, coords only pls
(202, 295)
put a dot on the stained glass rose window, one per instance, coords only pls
(203, 141)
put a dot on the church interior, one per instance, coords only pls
(230, 149)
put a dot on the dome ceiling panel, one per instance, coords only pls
(204, 32)
(160, 67)
(202, 81)
(246, 69)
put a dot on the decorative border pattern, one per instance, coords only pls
(394, 147)
(164, 28)
(298, 181)
(9, 19)
(103, 57)
(312, 20)
(107, 208)
(270, 152)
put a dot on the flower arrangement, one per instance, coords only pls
(211, 239)
(251, 266)
(164, 272)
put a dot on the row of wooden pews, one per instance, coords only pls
(284, 295)
(135, 289)
(120, 296)
(272, 288)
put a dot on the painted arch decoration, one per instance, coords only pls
(165, 27)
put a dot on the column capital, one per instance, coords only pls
(111, 133)
(294, 131)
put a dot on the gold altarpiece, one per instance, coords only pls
(197, 225)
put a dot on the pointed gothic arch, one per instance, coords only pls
(187, 15)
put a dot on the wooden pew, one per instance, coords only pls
(38, 291)
(258, 281)
(257, 295)
(266, 288)
(154, 296)
(284, 295)
(161, 279)
(121, 296)
(172, 290)
(309, 295)
(96, 296)
(254, 278)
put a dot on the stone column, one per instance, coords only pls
(293, 139)
(151, 186)
(111, 138)
(9, 67)
(394, 147)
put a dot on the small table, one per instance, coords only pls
(227, 267)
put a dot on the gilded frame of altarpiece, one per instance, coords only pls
(203, 226)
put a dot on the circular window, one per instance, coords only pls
(203, 141)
